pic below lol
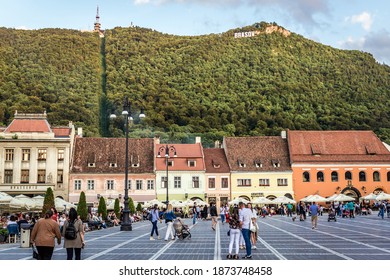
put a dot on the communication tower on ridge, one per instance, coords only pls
(97, 24)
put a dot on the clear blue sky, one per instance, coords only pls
(346, 24)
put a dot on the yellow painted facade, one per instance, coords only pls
(250, 185)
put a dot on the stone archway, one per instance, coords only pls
(352, 192)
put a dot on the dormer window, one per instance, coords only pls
(315, 149)
(170, 162)
(275, 163)
(91, 160)
(191, 163)
(215, 164)
(112, 160)
(370, 150)
(241, 163)
(258, 163)
(134, 161)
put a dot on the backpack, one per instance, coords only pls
(149, 217)
(70, 231)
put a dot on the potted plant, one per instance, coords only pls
(3, 234)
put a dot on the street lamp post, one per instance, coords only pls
(126, 223)
(167, 149)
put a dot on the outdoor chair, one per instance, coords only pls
(13, 233)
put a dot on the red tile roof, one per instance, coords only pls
(215, 161)
(104, 151)
(184, 153)
(61, 131)
(28, 125)
(257, 153)
(336, 146)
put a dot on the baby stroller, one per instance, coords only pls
(182, 231)
(332, 215)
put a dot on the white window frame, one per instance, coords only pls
(110, 184)
(139, 184)
(77, 184)
(282, 182)
(150, 184)
(177, 182)
(90, 184)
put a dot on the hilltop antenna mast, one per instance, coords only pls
(97, 23)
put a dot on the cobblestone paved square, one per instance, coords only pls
(362, 238)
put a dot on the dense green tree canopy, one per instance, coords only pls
(211, 85)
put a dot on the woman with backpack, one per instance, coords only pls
(73, 233)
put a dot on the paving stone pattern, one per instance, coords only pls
(362, 238)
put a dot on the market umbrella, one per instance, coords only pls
(153, 202)
(342, 197)
(370, 196)
(111, 205)
(60, 204)
(283, 199)
(238, 200)
(382, 196)
(261, 200)
(305, 198)
(315, 198)
(332, 197)
(18, 200)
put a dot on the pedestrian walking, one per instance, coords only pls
(43, 236)
(234, 233)
(73, 245)
(222, 213)
(214, 215)
(314, 215)
(245, 218)
(155, 219)
(169, 217)
(194, 214)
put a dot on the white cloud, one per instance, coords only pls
(365, 19)
(141, 2)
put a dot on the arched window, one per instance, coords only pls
(320, 176)
(335, 176)
(362, 176)
(388, 176)
(306, 176)
(376, 176)
(348, 175)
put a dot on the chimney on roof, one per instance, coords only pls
(157, 140)
(80, 131)
(217, 144)
(198, 140)
(283, 134)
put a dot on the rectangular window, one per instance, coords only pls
(191, 163)
(195, 182)
(225, 183)
(25, 154)
(42, 153)
(264, 182)
(170, 162)
(110, 184)
(211, 183)
(282, 182)
(60, 176)
(8, 176)
(139, 184)
(41, 176)
(60, 154)
(90, 184)
(150, 184)
(9, 154)
(25, 176)
(163, 180)
(177, 182)
(244, 182)
(77, 185)
(129, 184)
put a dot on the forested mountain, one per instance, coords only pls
(211, 85)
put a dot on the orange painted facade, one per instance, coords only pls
(356, 187)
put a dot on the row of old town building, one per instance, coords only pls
(35, 156)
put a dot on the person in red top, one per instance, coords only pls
(55, 215)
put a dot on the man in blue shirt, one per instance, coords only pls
(314, 215)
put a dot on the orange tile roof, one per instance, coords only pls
(261, 150)
(336, 146)
(215, 161)
(61, 131)
(28, 125)
(184, 152)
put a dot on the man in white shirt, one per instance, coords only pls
(245, 217)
